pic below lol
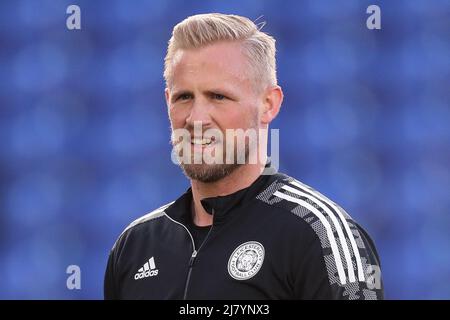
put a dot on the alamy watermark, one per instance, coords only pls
(235, 146)
(374, 20)
(74, 279)
(73, 22)
(373, 279)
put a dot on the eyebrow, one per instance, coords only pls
(209, 92)
(220, 91)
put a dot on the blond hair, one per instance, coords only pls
(204, 29)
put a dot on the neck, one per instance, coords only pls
(239, 179)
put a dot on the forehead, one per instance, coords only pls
(218, 63)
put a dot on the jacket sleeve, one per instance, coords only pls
(318, 278)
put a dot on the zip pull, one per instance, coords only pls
(191, 261)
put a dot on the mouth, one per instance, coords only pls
(204, 142)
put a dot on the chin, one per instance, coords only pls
(208, 173)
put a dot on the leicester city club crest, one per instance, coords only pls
(246, 260)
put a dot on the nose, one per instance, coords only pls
(200, 111)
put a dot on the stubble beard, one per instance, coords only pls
(209, 173)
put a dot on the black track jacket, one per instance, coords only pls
(277, 239)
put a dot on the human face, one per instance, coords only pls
(212, 85)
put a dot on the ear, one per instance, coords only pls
(167, 94)
(273, 97)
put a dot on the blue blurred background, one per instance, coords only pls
(85, 136)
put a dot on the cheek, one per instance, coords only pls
(177, 118)
(239, 117)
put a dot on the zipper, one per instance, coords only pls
(192, 260)
(194, 252)
(188, 278)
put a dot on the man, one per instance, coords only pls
(236, 233)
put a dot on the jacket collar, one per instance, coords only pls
(220, 206)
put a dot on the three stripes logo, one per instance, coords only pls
(302, 195)
(147, 270)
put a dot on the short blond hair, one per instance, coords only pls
(204, 29)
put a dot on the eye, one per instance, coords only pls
(218, 96)
(184, 97)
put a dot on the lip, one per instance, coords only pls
(201, 147)
(204, 146)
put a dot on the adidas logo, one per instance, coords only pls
(147, 270)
